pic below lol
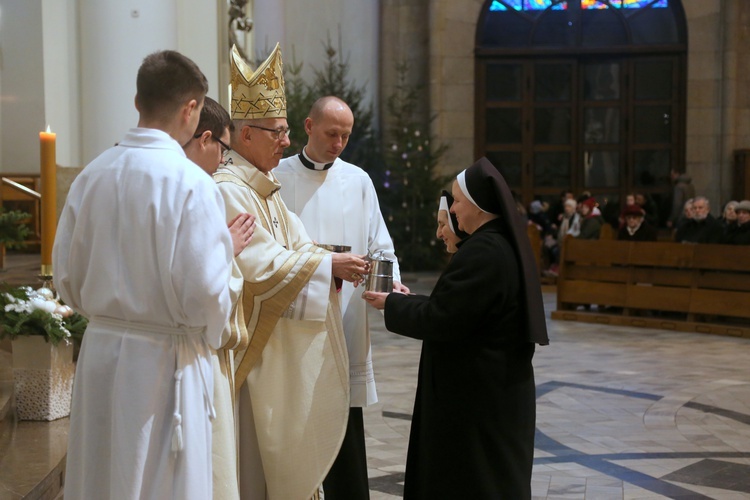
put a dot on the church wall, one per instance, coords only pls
(115, 37)
(736, 90)
(73, 63)
(707, 64)
(201, 36)
(718, 109)
(21, 85)
(62, 99)
(451, 56)
(306, 29)
(404, 40)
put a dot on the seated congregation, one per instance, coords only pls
(585, 218)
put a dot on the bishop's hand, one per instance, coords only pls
(350, 267)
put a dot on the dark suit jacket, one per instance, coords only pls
(708, 230)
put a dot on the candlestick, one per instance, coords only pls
(48, 170)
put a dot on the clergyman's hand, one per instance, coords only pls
(242, 228)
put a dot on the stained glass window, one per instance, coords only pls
(595, 4)
(498, 6)
(542, 4)
(505, 5)
(624, 4)
(637, 4)
(587, 94)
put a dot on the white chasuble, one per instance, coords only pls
(339, 206)
(143, 250)
(292, 379)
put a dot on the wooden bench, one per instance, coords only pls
(698, 288)
(607, 232)
(535, 238)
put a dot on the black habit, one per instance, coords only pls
(472, 433)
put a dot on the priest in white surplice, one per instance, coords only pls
(132, 254)
(337, 203)
(293, 377)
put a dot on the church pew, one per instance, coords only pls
(535, 238)
(607, 232)
(702, 288)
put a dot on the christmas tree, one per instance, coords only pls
(333, 79)
(408, 186)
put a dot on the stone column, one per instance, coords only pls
(404, 38)
(735, 102)
(453, 28)
(115, 37)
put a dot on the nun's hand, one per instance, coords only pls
(375, 299)
(400, 287)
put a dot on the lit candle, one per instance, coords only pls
(49, 197)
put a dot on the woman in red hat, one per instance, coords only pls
(591, 219)
(636, 228)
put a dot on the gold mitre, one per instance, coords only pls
(258, 94)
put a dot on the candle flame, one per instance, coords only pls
(48, 130)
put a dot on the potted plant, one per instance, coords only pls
(42, 333)
(13, 231)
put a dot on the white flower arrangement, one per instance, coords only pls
(25, 311)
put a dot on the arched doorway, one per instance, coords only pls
(582, 94)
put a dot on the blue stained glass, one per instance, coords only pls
(596, 5)
(623, 4)
(497, 6)
(542, 4)
(536, 4)
(637, 4)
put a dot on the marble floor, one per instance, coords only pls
(623, 413)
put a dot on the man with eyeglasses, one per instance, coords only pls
(338, 204)
(292, 380)
(208, 149)
(209, 145)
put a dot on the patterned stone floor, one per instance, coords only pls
(623, 413)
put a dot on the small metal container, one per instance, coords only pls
(380, 278)
(336, 248)
(375, 283)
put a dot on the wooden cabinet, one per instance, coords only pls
(14, 199)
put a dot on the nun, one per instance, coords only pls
(447, 229)
(472, 433)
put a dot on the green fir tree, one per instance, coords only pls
(332, 79)
(299, 99)
(408, 186)
(13, 230)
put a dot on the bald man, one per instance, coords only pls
(338, 205)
